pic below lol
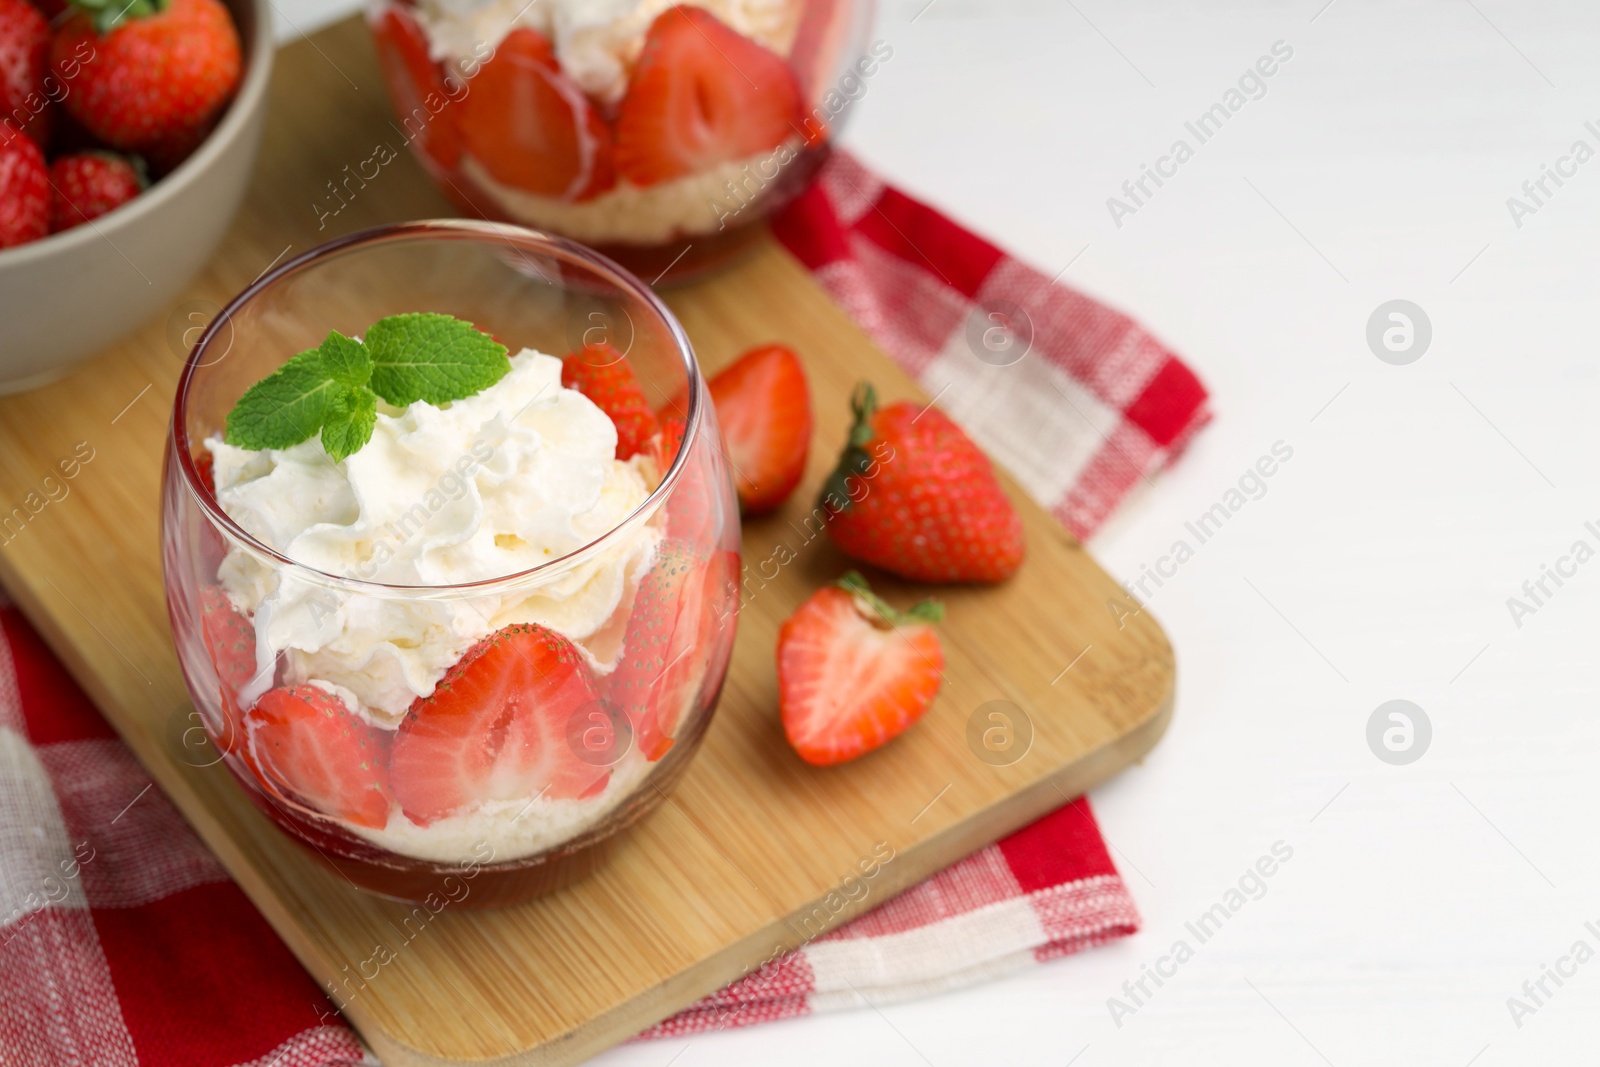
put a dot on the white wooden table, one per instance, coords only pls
(1377, 563)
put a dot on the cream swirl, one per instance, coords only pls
(596, 41)
(517, 475)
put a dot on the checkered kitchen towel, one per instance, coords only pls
(1075, 399)
(1079, 403)
(123, 942)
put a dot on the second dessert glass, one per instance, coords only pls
(553, 771)
(661, 133)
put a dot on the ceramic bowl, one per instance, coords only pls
(66, 297)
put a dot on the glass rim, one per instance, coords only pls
(522, 239)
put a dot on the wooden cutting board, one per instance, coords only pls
(742, 861)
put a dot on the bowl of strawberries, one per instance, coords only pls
(128, 132)
(659, 133)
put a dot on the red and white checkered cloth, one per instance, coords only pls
(122, 940)
(1079, 404)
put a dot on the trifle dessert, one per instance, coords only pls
(652, 130)
(449, 603)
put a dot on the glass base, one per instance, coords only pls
(488, 885)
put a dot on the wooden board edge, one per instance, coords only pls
(934, 854)
(683, 989)
(169, 775)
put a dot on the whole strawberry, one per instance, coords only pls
(24, 53)
(89, 184)
(913, 495)
(24, 191)
(161, 72)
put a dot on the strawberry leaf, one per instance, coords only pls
(109, 14)
(924, 611)
(431, 357)
(347, 426)
(284, 408)
(855, 461)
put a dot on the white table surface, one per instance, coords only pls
(1378, 563)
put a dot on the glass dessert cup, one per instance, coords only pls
(662, 135)
(523, 788)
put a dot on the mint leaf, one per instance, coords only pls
(347, 425)
(432, 357)
(335, 387)
(346, 359)
(284, 408)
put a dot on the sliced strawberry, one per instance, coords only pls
(531, 127)
(695, 508)
(853, 673)
(701, 94)
(230, 638)
(665, 445)
(205, 466)
(679, 616)
(604, 375)
(496, 727)
(815, 43)
(422, 98)
(690, 513)
(231, 641)
(691, 509)
(309, 747)
(764, 408)
(724, 590)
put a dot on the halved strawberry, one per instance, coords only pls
(309, 747)
(531, 127)
(495, 728)
(604, 375)
(231, 641)
(701, 94)
(421, 96)
(667, 652)
(853, 673)
(764, 408)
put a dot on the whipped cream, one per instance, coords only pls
(596, 41)
(498, 483)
